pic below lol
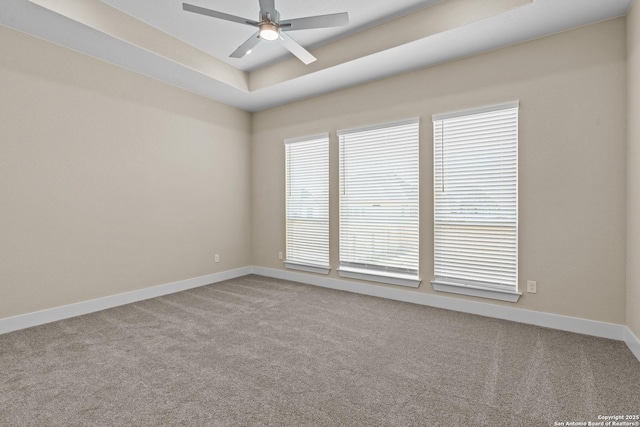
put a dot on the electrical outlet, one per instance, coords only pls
(280, 256)
(216, 258)
(531, 286)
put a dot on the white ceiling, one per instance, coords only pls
(426, 33)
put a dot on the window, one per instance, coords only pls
(476, 202)
(379, 221)
(307, 204)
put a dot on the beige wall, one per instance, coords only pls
(571, 88)
(111, 181)
(633, 171)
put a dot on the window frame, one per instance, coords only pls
(367, 271)
(505, 292)
(319, 160)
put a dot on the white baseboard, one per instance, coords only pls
(548, 320)
(554, 321)
(28, 320)
(632, 342)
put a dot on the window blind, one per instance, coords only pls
(307, 202)
(476, 198)
(379, 228)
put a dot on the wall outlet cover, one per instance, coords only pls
(532, 287)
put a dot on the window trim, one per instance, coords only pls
(476, 110)
(389, 278)
(309, 268)
(459, 287)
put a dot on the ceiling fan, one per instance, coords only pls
(271, 28)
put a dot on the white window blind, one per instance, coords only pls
(379, 216)
(476, 198)
(307, 203)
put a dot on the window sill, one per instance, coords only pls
(380, 276)
(441, 285)
(307, 267)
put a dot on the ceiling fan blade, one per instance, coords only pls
(293, 47)
(246, 46)
(269, 6)
(215, 14)
(321, 21)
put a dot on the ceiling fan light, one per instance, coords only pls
(269, 31)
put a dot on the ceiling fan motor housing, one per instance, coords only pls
(265, 16)
(269, 28)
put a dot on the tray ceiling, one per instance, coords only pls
(158, 39)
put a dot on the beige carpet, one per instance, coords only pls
(255, 351)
